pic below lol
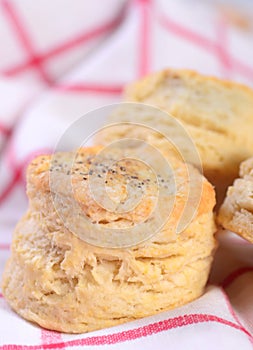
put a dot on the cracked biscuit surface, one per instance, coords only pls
(59, 281)
(236, 213)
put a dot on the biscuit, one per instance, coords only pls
(236, 213)
(217, 114)
(59, 281)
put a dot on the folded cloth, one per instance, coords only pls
(60, 60)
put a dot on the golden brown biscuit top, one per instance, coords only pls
(217, 105)
(125, 191)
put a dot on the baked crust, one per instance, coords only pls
(217, 114)
(236, 213)
(38, 182)
(59, 281)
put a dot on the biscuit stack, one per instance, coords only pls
(65, 275)
(58, 280)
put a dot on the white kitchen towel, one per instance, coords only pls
(62, 58)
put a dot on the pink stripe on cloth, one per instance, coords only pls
(185, 33)
(243, 68)
(90, 88)
(235, 274)
(4, 130)
(50, 337)
(154, 328)
(24, 39)
(17, 170)
(16, 176)
(144, 37)
(68, 45)
(234, 315)
(206, 44)
(4, 246)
